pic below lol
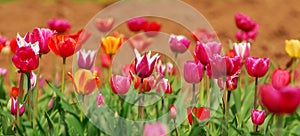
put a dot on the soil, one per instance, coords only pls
(278, 21)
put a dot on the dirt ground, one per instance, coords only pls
(278, 19)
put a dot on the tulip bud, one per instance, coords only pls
(257, 67)
(120, 84)
(59, 25)
(50, 103)
(100, 100)
(280, 78)
(179, 44)
(231, 82)
(136, 24)
(193, 72)
(244, 22)
(3, 72)
(13, 109)
(204, 51)
(173, 112)
(258, 117)
(32, 80)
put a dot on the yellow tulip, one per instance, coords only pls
(110, 45)
(292, 47)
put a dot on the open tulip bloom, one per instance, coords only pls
(144, 65)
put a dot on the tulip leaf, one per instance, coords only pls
(57, 91)
(74, 125)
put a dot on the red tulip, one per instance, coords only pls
(164, 86)
(2, 42)
(13, 45)
(280, 78)
(151, 29)
(14, 92)
(144, 65)
(257, 67)
(244, 22)
(40, 35)
(64, 45)
(120, 84)
(26, 59)
(136, 24)
(148, 84)
(173, 112)
(105, 60)
(201, 113)
(13, 109)
(230, 53)
(204, 51)
(104, 25)
(179, 43)
(258, 117)
(59, 25)
(282, 101)
(193, 72)
(231, 82)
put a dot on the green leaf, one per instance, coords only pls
(74, 125)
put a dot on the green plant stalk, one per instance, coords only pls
(19, 99)
(141, 102)
(63, 76)
(176, 130)
(294, 65)
(29, 98)
(255, 93)
(36, 93)
(193, 96)
(279, 121)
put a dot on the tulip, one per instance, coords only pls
(179, 44)
(258, 117)
(50, 103)
(110, 45)
(292, 47)
(217, 67)
(233, 65)
(120, 84)
(144, 65)
(3, 72)
(202, 35)
(126, 69)
(201, 113)
(84, 81)
(173, 112)
(193, 72)
(32, 80)
(64, 45)
(104, 25)
(13, 45)
(14, 92)
(231, 82)
(25, 59)
(59, 25)
(242, 49)
(244, 22)
(151, 29)
(257, 67)
(136, 24)
(100, 100)
(148, 84)
(40, 35)
(155, 129)
(13, 109)
(230, 53)
(140, 42)
(280, 78)
(204, 51)
(161, 68)
(105, 60)
(280, 101)
(242, 36)
(164, 86)
(2, 42)
(85, 58)
(21, 42)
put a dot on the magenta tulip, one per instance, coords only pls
(40, 35)
(173, 112)
(120, 84)
(232, 82)
(179, 43)
(100, 100)
(3, 72)
(104, 25)
(242, 36)
(13, 109)
(280, 78)
(257, 67)
(59, 25)
(281, 101)
(204, 51)
(258, 117)
(85, 59)
(193, 72)
(155, 129)
(144, 65)
(136, 24)
(244, 22)
(25, 59)
(242, 49)
(233, 65)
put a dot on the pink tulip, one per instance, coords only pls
(13, 109)
(136, 24)
(164, 86)
(120, 84)
(179, 43)
(217, 67)
(144, 65)
(104, 25)
(258, 117)
(40, 35)
(232, 82)
(161, 68)
(173, 112)
(202, 35)
(233, 65)
(105, 60)
(25, 59)
(242, 36)
(282, 101)
(85, 59)
(193, 72)
(280, 78)
(244, 22)
(3, 72)
(140, 42)
(59, 25)
(257, 67)
(155, 129)
(50, 103)
(242, 49)
(100, 100)
(204, 51)
(2, 42)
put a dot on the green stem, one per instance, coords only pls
(63, 76)
(176, 131)
(255, 93)
(141, 102)
(19, 98)
(295, 62)
(36, 93)
(30, 98)
(279, 125)
(193, 95)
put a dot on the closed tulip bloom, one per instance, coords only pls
(242, 49)
(292, 47)
(217, 67)
(179, 43)
(84, 81)
(280, 101)
(201, 114)
(244, 22)
(25, 59)
(280, 78)
(120, 84)
(59, 25)
(140, 42)
(64, 45)
(110, 45)
(233, 65)
(258, 117)
(144, 65)
(193, 72)
(257, 67)
(155, 129)
(250, 36)
(151, 29)
(204, 51)
(100, 100)
(13, 109)
(85, 58)
(105, 60)
(173, 112)
(104, 25)
(136, 24)
(40, 35)
(164, 86)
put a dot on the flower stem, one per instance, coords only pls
(141, 102)
(176, 131)
(20, 95)
(279, 121)
(63, 76)
(295, 62)
(29, 97)
(36, 95)
(255, 93)
(193, 96)
(228, 104)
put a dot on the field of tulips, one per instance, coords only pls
(131, 75)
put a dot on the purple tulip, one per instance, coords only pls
(85, 58)
(257, 67)
(179, 43)
(193, 72)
